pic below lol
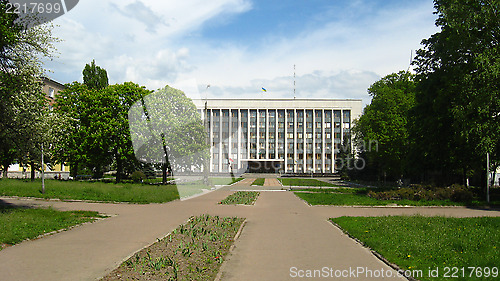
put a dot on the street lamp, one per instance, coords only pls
(43, 174)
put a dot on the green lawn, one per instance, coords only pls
(359, 197)
(191, 188)
(419, 243)
(241, 197)
(354, 199)
(259, 182)
(92, 191)
(224, 181)
(305, 182)
(19, 224)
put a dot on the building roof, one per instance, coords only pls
(355, 105)
(48, 80)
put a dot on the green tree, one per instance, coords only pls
(70, 103)
(458, 98)
(167, 130)
(21, 97)
(94, 76)
(381, 133)
(99, 131)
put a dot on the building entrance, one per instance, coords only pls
(264, 166)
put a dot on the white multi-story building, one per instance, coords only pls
(277, 135)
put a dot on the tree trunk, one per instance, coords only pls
(74, 169)
(32, 165)
(98, 173)
(164, 172)
(119, 167)
(5, 172)
(166, 166)
(464, 177)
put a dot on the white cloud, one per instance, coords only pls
(144, 46)
(154, 43)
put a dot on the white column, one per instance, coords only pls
(220, 141)
(211, 137)
(314, 140)
(295, 140)
(285, 145)
(332, 136)
(248, 133)
(276, 134)
(257, 136)
(230, 138)
(239, 139)
(323, 140)
(267, 133)
(304, 129)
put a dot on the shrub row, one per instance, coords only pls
(456, 193)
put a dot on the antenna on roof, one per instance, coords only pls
(294, 81)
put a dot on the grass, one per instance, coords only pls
(358, 197)
(156, 180)
(353, 199)
(241, 197)
(191, 188)
(305, 182)
(92, 191)
(224, 181)
(418, 243)
(259, 182)
(193, 251)
(19, 224)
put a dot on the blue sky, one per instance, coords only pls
(339, 47)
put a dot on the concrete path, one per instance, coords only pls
(272, 182)
(282, 233)
(244, 182)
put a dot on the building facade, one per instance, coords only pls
(277, 135)
(51, 89)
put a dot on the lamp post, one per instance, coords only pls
(206, 161)
(43, 174)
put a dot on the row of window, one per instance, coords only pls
(272, 125)
(281, 113)
(272, 136)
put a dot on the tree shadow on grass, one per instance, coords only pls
(6, 207)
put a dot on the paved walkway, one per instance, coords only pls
(282, 232)
(271, 182)
(244, 182)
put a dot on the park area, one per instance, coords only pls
(204, 238)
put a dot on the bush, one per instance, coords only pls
(149, 171)
(461, 193)
(455, 193)
(138, 176)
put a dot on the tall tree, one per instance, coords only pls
(167, 130)
(70, 104)
(381, 133)
(94, 76)
(458, 99)
(21, 98)
(99, 131)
